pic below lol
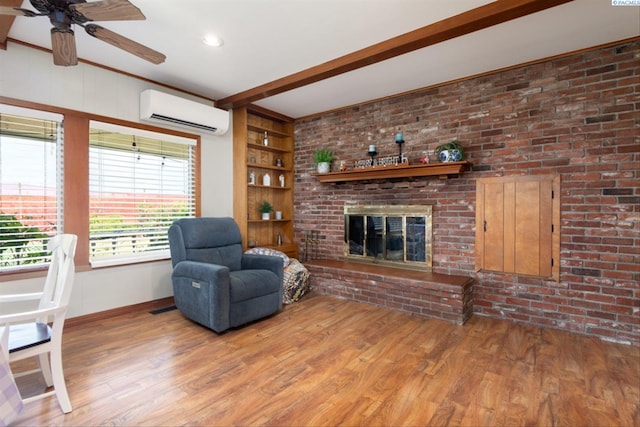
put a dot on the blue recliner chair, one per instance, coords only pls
(214, 283)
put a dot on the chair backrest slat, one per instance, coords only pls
(59, 281)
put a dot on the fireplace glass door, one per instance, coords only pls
(395, 235)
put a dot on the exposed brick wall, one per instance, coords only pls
(577, 116)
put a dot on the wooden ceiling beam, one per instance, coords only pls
(6, 21)
(464, 23)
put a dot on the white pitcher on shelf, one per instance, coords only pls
(266, 180)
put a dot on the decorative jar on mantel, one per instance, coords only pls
(450, 152)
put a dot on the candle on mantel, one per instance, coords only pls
(399, 137)
(372, 148)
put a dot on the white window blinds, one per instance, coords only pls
(140, 182)
(30, 186)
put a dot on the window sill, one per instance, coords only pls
(126, 260)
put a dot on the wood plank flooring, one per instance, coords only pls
(327, 362)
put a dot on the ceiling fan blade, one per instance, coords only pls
(109, 10)
(6, 21)
(63, 45)
(15, 11)
(124, 43)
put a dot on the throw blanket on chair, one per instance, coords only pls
(296, 281)
(296, 276)
(10, 399)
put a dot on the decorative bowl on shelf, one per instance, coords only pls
(450, 151)
(450, 155)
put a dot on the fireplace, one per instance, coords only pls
(398, 235)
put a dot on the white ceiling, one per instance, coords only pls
(265, 40)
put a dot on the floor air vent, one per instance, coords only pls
(163, 310)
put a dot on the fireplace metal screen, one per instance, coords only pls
(398, 235)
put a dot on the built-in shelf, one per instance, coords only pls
(264, 166)
(441, 170)
(271, 187)
(252, 161)
(268, 147)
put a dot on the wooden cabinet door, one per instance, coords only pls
(517, 225)
(492, 243)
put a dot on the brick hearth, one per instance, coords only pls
(448, 297)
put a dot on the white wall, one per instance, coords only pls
(29, 74)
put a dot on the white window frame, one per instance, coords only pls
(58, 179)
(158, 254)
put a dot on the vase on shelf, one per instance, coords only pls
(450, 155)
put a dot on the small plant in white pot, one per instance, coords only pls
(265, 209)
(322, 159)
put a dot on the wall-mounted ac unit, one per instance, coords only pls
(161, 107)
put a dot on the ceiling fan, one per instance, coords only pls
(63, 14)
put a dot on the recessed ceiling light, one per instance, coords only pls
(212, 40)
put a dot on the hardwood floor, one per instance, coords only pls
(325, 361)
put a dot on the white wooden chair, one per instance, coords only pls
(39, 332)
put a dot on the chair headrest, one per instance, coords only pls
(209, 232)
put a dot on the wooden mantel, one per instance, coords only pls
(442, 170)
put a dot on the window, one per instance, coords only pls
(139, 183)
(518, 225)
(30, 186)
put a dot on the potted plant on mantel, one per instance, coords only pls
(265, 209)
(450, 152)
(323, 158)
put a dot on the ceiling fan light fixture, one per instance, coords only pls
(212, 40)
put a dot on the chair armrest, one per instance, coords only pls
(20, 297)
(202, 292)
(201, 271)
(30, 315)
(263, 262)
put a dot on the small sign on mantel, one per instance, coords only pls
(383, 161)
